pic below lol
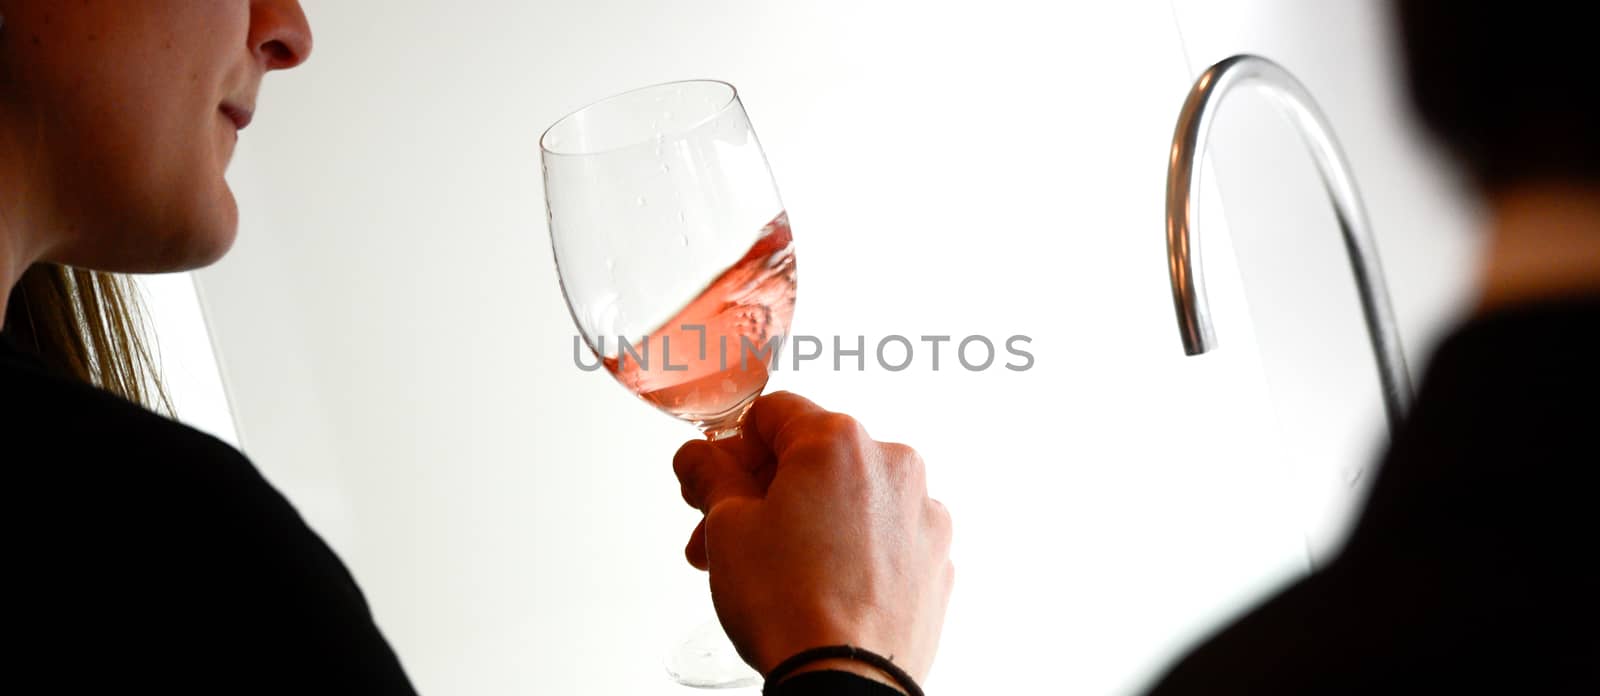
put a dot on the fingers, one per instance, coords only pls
(695, 552)
(771, 415)
(709, 474)
(729, 518)
(712, 472)
(746, 448)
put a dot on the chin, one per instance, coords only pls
(146, 232)
(225, 232)
(201, 240)
(208, 240)
(215, 248)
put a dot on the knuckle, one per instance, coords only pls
(903, 456)
(939, 516)
(840, 427)
(828, 436)
(936, 529)
(904, 466)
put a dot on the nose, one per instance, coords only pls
(280, 36)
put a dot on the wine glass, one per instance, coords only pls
(677, 262)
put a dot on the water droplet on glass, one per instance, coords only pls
(611, 263)
(666, 168)
(666, 115)
(641, 201)
(683, 239)
(682, 216)
(1353, 475)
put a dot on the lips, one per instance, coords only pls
(240, 116)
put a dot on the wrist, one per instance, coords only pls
(840, 664)
(849, 659)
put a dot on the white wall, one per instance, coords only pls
(183, 350)
(399, 357)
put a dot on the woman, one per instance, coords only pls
(150, 554)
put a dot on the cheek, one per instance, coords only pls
(188, 154)
(122, 104)
(160, 193)
(151, 174)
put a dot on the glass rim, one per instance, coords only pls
(733, 98)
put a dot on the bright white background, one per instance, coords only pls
(187, 359)
(398, 356)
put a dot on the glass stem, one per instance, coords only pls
(726, 426)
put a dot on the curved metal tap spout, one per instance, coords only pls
(1183, 180)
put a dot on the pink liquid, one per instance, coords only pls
(747, 306)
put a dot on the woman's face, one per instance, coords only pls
(118, 119)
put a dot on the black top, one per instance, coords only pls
(148, 555)
(151, 554)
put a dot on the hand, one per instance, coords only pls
(815, 534)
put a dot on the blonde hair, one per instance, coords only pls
(87, 324)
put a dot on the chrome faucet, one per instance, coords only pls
(1183, 180)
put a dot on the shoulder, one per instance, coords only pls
(57, 426)
(109, 470)
(118, 476)
(168, 543)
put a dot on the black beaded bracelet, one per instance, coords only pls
(847, 652)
